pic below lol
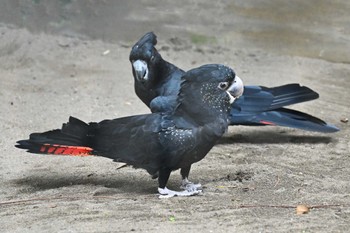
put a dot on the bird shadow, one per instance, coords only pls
(273, 137)
(121, 184)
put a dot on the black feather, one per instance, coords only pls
(157, 142)
(73, 133)
(256, 102)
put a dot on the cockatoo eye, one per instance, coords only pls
(223, 85)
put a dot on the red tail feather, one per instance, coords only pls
(266, 122)
(66, 150)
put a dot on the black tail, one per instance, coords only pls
(290, 94)
(287, 118)
(260, 99)
(264, 106)
(72, 139)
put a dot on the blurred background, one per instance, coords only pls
(312, 28)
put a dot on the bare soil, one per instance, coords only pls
(253, 179)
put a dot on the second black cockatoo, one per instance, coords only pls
(157, 142)
(157, 83)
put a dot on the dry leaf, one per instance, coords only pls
(302, 209)
(344, 120)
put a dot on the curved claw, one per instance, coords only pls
(167, 193)
(189, 186)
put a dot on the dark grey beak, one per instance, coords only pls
(141, 70)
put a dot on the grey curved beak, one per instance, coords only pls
(141, 70)
(236, 89)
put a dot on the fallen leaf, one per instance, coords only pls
(302, 209)
(344, 120)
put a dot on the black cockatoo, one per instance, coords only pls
(157, 83)
(157, 142)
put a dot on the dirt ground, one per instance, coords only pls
(253, 179)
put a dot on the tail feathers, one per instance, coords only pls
(290, 94)
(72, 139)
(259, 99)
(37, 148)
(286, 118)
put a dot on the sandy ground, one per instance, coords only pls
(253, 179)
